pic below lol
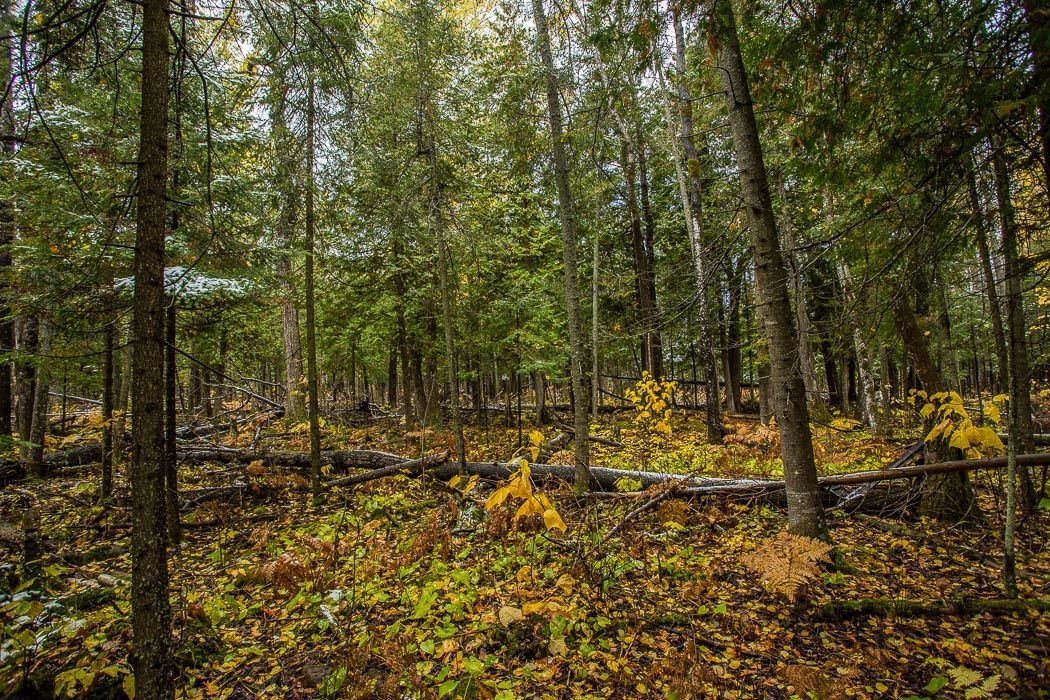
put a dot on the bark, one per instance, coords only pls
(106, 484)
(798, 299)
(25, 382)
(41, 399)
(124, 392)
(313, 406)
(451, 360)
(539, 383)
(805, 514)
(569, 238)
(949, 497)
(654, 342)
(1037, 15)
(391, 377)
(412, 466)
(171, 464)
(870, 400)
(150, 608)
(1015, 319)
(984, 257)
(7, 226)
(1019, 409)
(596, 377)
(698, 248)
(294, 405)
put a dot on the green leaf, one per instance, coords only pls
(447, 687)
(935, 684)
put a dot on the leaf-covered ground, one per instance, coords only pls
(404, 588)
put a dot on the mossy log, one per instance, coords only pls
(895, 607)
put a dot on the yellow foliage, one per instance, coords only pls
(519, 486)
(953, 425)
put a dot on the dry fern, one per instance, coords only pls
(287, 571)
(788, 562)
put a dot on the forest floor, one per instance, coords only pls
(405, 588)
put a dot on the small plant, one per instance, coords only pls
(652, 402)
(519, 487)
(788, 562)
(948, 422)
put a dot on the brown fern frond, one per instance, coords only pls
(787, 562)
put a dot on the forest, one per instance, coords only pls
(499, 349)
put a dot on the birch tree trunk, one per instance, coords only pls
(984, 257)
(569, 236)
(805, 512)
(704, 278)
(313, 401)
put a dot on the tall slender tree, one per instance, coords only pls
(805, 511)
(150, 607)
(566, 211)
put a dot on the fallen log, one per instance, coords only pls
(13, 469)
(839, 610)
(343, 460)
(412, 466)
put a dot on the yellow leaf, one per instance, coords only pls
(926, 410)
(553, 520)
(536, 438)
(564, 582)
(991, 413)
(989, 438)
(534, 608)
(529, 507)
(508, 615)
(558, 647)
(454, 481)
(521, 486)
(497, 498)
(939, 430)
(959, 440)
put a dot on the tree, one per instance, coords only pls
(150, 608)
(805, 511)
(567, 214)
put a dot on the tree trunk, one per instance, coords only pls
(106, 484)
(698, 248)
(984, 256)
(313, 403)
(447, 314)
(171, 464)
(947, 497)
(150, 608)
(7, 226)
(805, 513)
(798, 297)
(1037, 15)
(596, 377)
(124, 391)
(539, 383)
(569, 235)
(25, 381)
(41, 400)
(1019, 373)
(294, 405)
(653, 339)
